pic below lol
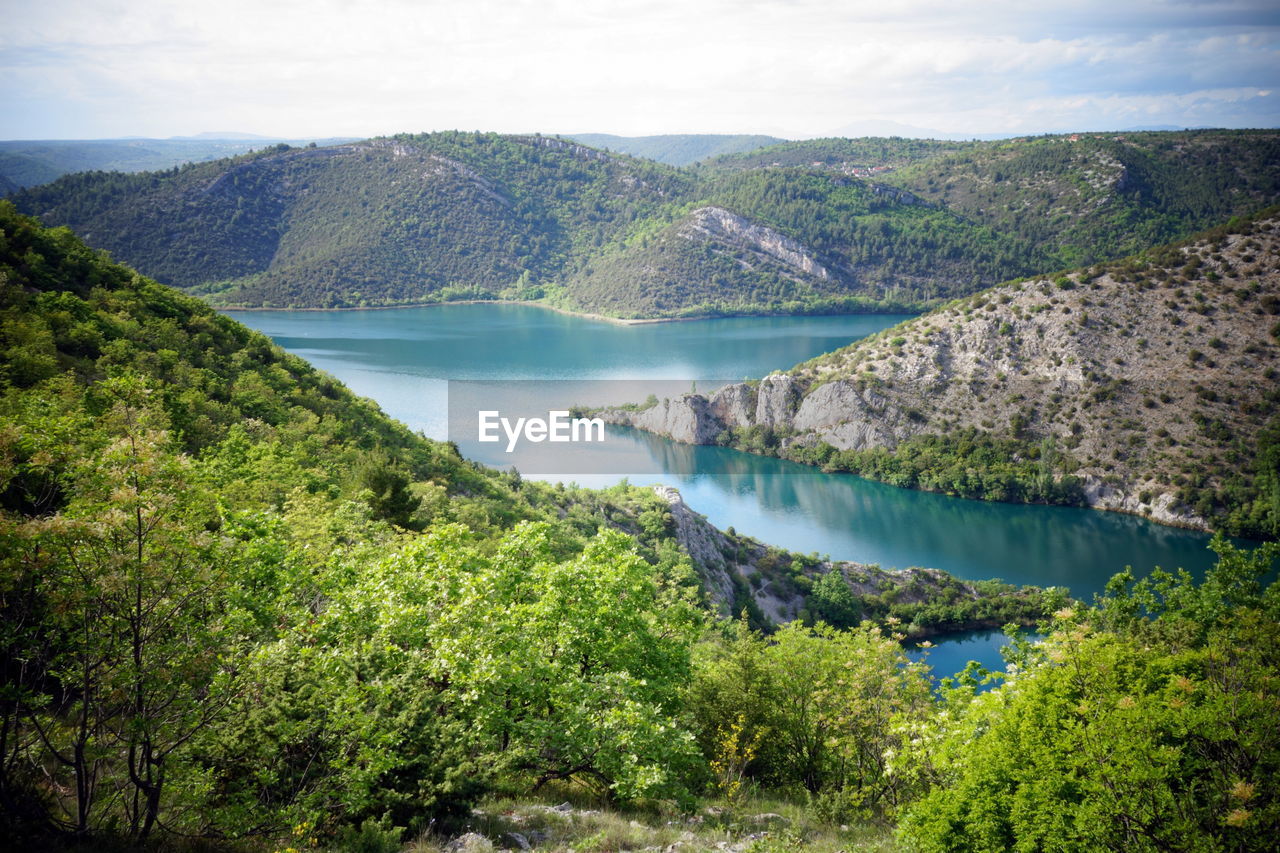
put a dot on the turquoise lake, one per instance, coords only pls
(403, 359)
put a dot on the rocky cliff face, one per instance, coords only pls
(715, 556)
(687, 419)
(841, 413)
(1146, 376)
(697, 419)
(717, 225)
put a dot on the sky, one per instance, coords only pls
(83, 69)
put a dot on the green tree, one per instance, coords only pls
(132, 586)
(731, 699)
(840, 696)
(389, 491)
(833, 601)
(573, 668)
(823, 709)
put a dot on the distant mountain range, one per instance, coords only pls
(677, 149)
(887, 127)
(27, 163)
(230, 134)
(820, 225)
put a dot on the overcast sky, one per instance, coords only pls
(792, 68)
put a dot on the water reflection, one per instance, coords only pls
(800, 508)
(951, 654)
(402, 359)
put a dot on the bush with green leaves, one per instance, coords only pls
(1151, 722)
(821, 707)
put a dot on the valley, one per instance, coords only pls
(644, 427)
(336, 622)
(803, 227)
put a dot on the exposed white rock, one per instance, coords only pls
(574, 148)
(687, 418)
(445, 165)
(720, 225)
(734, 405)
(776, 399)
(1165, 508)
(702, 542)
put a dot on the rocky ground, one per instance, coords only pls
(750, 827)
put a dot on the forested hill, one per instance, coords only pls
(821, 225)
(1149, 385)
(870, 154)
(237, 598)
(240, 609)
(388, 221)
(677, 149)
(1078, 198)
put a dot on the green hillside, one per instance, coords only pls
(843, 155)
(391, 221)
(809, 241)
(1073, 199)
(1089, 197)
(677, 149)
(242, 610)
(834, 225)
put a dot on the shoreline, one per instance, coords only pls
(585, 315)
(1200, 525)
(977, 625)
(1195, 524)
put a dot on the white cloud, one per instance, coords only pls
(95, 68)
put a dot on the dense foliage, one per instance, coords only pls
(899, 253)
(968, 463)
(892, 223)
(930, 604)
(812, 709)
(213, 598)
(1085, 198)
(1151, 722)
(238, 603)
(405, 219)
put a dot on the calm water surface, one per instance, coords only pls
(402, 358)
(954, 653)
